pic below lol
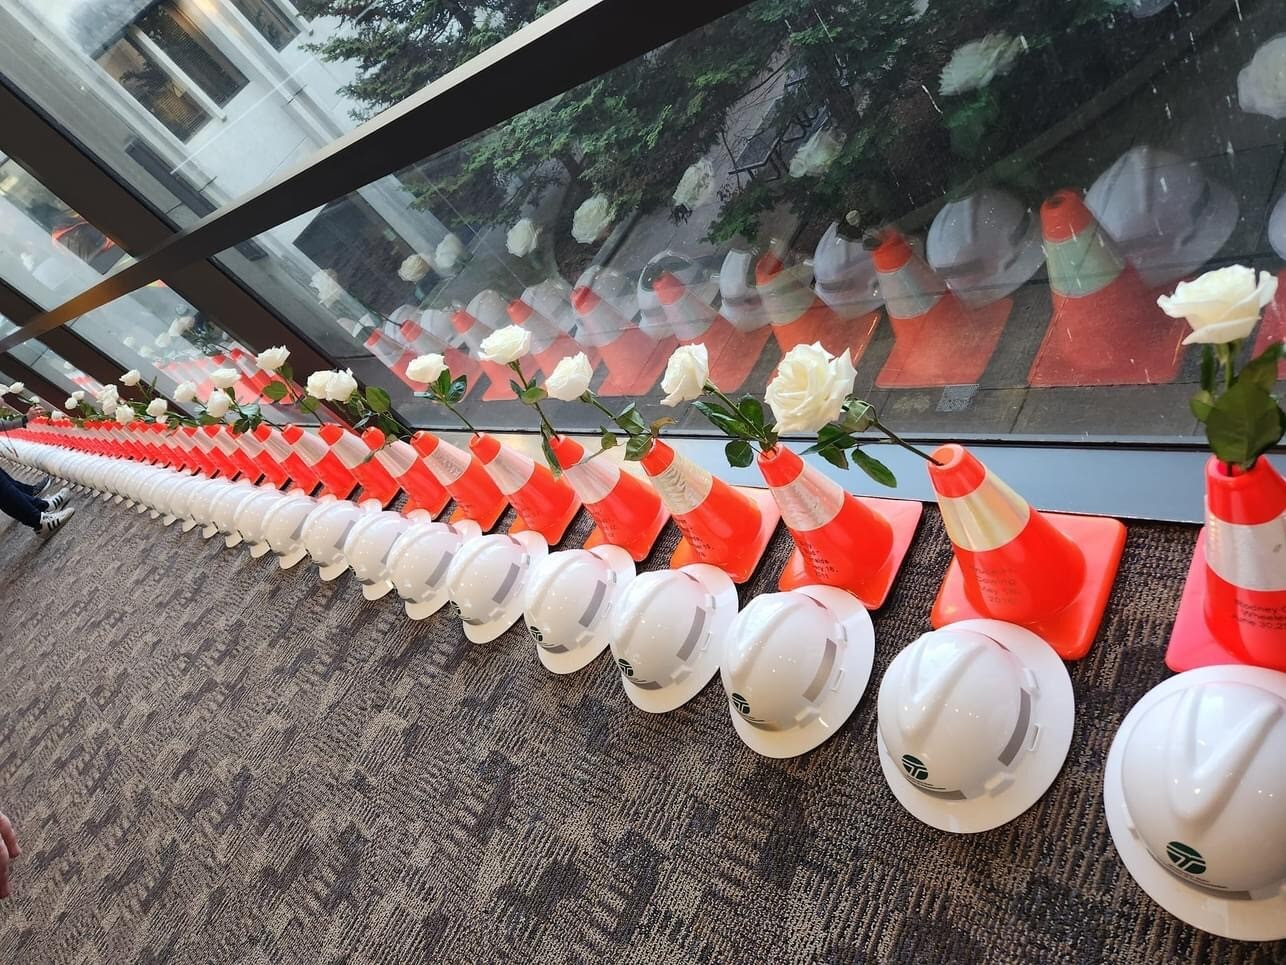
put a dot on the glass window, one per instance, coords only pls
(183, 42)
(270, 20)
(48, 363)
(141, 75)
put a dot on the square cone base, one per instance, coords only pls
(634, 363)
(927, 354)
(1060, 362)
(769, 517)
(1273, 326)
(904, 517)
(498, 376)
(486, 524)
(1071, 630)
(733, 353)
(641, 543)
(553, 533)
(1192, 643)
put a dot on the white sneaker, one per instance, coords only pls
(51, 523)
(57, 501)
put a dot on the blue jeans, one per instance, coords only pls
(17, 500)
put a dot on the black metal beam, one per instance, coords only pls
(36, 382)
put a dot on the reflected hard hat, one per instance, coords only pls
(325, 531)
(985, 246)
(794, 666)
(739, 298)
(975, 721)
(485, 581)
(367, 550)
(419, 560)
(1277, 228)
(1194, 792)
(668, 632)
(283, 528)
(845, 274)
(567, 602)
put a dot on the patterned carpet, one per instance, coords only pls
(209, 760)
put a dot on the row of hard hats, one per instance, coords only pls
(974, 720)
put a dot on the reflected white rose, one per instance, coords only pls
(132, 377)
(686, 374)
(919, 8)
(271, 359)
(506, 345)
(217, 406)
(224, 378)
(1221, 305)
(426, 368)
(125, 415)
(1261, 85)
(181, 326)
(522, 237)
(147, 351)
(810, 388)
(17, 387)
(976, 64)
(570, 378)
(157, 407)
(816, 154)
(163, 340)
(326, 283)
(186, 392)
(415, 267)
(449, 253)
(696, 187)
(592, 219)
(129, 341)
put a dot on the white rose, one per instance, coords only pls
(415, 267)
(130, 341)
(147, 351)
(522, 237)
(163, 340)
(506, 345)
(217, 406)
(592, 219)
(271, 359)
(317, 383)
(181, 326)
(696, 187)
(426, 368)
(108, 398)
(1261, 85)
(449, 251)
(1221, 305)
(816, 155)
(686, 374)
(70, 405)
(78, 395)
(341, 386)
(162, 420)
(974, 65)
(224, 378)
(186, 392)
(124, 415)
(570, 378)
(132, 377)
(17, 388)
(61, 417)
(810, 388)
(327, 286)
(157, 407)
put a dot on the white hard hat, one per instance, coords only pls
(202, 505)
(668, 631)
(325, 531)
(418, 563)
(795, 666)
(985, 246)
(568, 600)
(1195, 789)
(845, 274)
(185, 500)
(283, 528)
(485, 581)
(225, 511)
(251, 514)
(1277, 228)
(367, 550)
(1165, 215)
(975, 720)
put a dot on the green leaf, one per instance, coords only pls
(378, 399)
(1262, 370)
(1201, 404)
(533, 394)
(858, 415)
(286, 373)
(443, 384)
(1208, 367)
(637, 447)
(739, 453)
(1244, 423)
(874, 468)
(834, 456)
(363, 422)
(309, 404)
(729, 422)
(517, 389)
(661, 423)
(606, 439)
(550, 458)
(458, 389)
(631, 420)
(752, 410)
(276, 391)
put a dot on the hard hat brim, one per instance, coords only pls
(258, 549)
(1238, 918)
(570, 661)
(423, 609)
(377, 590)
(665, 699)
(332, 571)
(1054, 712)
(287, 560)
(511, 613)
(859, 657)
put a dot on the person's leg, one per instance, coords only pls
(14, 502)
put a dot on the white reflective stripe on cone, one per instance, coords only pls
(1249, 557)
(510, 471)
(786, 296)
(808, 502)
(594, 480)
(988, 518)
(225, 444)
(311, 449)
(397, 458)
(351, 451)
(683, 485)
(447, 463)
(912, 290)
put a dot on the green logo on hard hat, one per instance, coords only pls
(625, 666)
(1185, 858)
(741, 704)
(915, 768)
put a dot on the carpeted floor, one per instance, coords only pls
(210, 760)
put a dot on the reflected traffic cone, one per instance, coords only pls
(376, 482)
(634, 361)
(335, 478)
(403, 464)
(628, 513)
(1273, 326)
(1106, 327)
(549, 344)
(544, 505)
(424, 342)
(280, 451)
(461, 474)
(253, 377)
(800, 317)
(1233, 608)
(732, 353)
(395, 356)
(855, 544)
(937, 340)
(499, 377)
(1049, 572)
(724, 526)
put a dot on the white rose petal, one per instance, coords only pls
(1261, 85)
(522, 237)
(217, 406)
(696, 187)
(17, 387)
(132, 377)
(124, 415)
(1221, 305)
(449, 252)
(224, 378)
(71, 405)
(592, 219)
(974, 65)
(686, 374)
(78, 395)
(163, 420)
(509, 344)
(570, 378)
(271, 359)
(181, 326)
(157, 407)
(810, 388)
(816, 155)
(341, 386)
(426, 368)
(415, 267)
(147, 351)
(317, 383)
(61, 417)
(186, 392)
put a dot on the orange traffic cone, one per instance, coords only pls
(732, 353)
(725, 526)
(473, 332)
(629, 513)
(275, 445)
(1273, 326)
(336, 480)
(404, 466)
(376, 482)
(1106, 327)
(545, 505)
(937, 340)
(461, 474)
(855, 544)
(635, 362)
(1233, 608)
(1049, 572)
